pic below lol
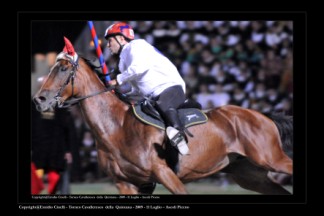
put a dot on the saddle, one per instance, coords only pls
(189, 114)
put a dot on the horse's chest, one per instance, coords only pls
(111, 165)
(118, 168)
(124, 170)
(122, 167)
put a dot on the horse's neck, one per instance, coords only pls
(104, 112)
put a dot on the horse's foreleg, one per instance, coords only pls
(169, 179)
(126, 188)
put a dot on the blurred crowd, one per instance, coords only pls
(244, 63)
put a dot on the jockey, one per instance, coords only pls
(150, 74)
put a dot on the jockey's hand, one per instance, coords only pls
(113, 82)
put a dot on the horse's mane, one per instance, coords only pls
(94, 64)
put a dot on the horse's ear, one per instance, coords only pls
(68, 48)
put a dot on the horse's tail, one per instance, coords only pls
(285, 127)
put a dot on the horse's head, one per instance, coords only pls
(59, 84)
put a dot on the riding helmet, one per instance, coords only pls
(120, 28)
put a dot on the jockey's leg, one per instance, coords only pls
(168, 102)
(176, 131)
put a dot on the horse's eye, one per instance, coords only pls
(64, 68)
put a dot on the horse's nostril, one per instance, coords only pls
(41, 98)
(38, 100)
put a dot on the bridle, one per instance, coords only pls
(74, 61)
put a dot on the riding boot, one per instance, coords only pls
(176, 131)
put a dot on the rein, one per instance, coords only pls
(73, 101)
(71, 78)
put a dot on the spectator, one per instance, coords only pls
(37, 184)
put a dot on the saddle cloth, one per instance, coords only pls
(188, 117)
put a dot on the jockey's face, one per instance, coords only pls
(113, 45)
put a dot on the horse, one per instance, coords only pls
(241, 142)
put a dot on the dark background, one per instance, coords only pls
(54, 42)
(49, 37)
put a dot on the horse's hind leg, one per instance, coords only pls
(283, 164)
(252, 177)
(169, 179)
(274, 159)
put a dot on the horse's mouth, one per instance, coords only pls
(46, 107)
(48, 115)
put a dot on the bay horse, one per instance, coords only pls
(242, 142)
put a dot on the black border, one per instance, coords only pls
(24, 20)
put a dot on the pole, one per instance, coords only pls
(98, 50)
